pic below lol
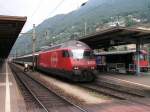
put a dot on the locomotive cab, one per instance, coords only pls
(143, 63)
(83, 59)
(122, 61)
(83, 63)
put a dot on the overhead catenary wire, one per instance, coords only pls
(57, 6)
(39, 5)
(35, 11)
(37, 8)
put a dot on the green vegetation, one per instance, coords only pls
(96, 14)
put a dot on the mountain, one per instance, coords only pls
(96, 14)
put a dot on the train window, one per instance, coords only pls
(88, 54)
(142, 57)
(98, 60)
(65, 53)
(80, 54)
(145, 57)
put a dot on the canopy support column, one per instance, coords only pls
(138, 57)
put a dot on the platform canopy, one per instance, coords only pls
(117, 36)
(10, 27)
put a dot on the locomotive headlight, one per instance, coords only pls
(75, 68)
(92, 68)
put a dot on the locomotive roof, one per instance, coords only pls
(69, 44)
(120, 52)
(73, 44)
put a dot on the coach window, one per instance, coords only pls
(145, 57)
(65, 53)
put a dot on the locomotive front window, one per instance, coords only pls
(142, 57)
(80, 54)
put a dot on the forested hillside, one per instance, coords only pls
(95, 15)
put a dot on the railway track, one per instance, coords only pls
(46, 100)
(118, 87)
(31, 103)
(116, 93)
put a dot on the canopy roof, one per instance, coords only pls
(117, 36)
(10, 27)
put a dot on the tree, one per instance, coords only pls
(129, 22)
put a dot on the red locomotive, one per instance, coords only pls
(122, 61)
(73, 60)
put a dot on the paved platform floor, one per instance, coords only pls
(142, 80)
(119, 107)
(11, 99)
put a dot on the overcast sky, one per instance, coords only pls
(37, 10)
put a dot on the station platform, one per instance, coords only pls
(11, 99)
(110, 106)
(141, 82)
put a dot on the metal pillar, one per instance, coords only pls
(138, 58)
(33, 47)
(148, 49)
(85, 27)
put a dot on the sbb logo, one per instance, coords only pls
(54, 59)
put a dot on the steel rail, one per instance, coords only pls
(36, 98)
(62, 97)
